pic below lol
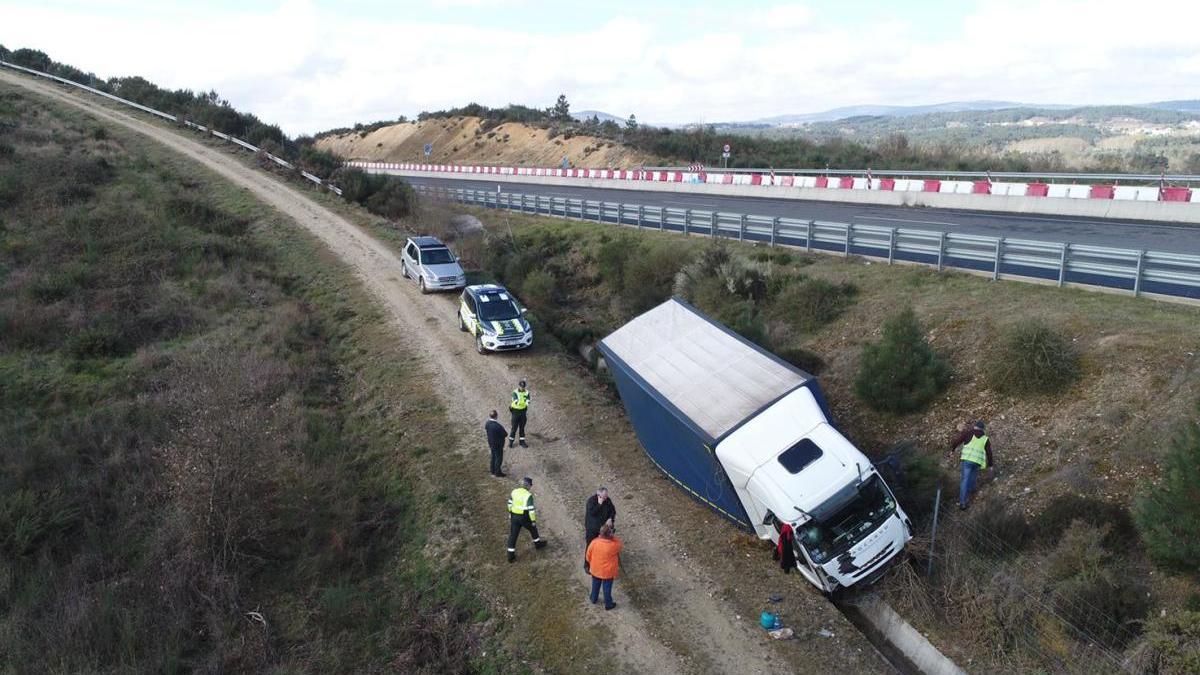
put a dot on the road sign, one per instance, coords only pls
(725, 149)
(428, 149)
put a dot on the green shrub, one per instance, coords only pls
(538, 289)
(1033, 358)
(1058, 515)
(809, 304)
(1168, 514)
(998, 532)
(917, 481)
(1171, 645)
(649, 277)
(744, 280)
(801, 358)
(394, 200)
(612, 257)
(900, 373)
(1092, 588)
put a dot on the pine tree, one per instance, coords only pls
(631, 123)
(900, 373)
(1168, 514)
(562, 109)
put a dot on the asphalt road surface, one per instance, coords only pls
(1169, 237)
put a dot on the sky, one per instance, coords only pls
(310, 65)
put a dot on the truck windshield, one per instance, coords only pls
(436, 256)
(848, 525)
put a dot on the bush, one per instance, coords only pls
(809, 304)
(998, 532)
(1058, 515)
(538, 289)
(1092, 588)
(1033, 358)
(649, 276)
(393, 200)
(900, 373)
(1171, 645)
(801, 358)
(612, 257)
(1168, 514)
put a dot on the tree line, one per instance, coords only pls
(206, 108)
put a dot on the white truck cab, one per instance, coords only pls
(789, 465)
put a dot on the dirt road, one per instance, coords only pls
(712, 637)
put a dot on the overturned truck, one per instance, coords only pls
(750, 435)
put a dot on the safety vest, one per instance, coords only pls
(975, 450)
(521, 502)
(520, 399)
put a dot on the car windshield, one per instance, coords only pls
(497, 309)
(436, 256)
(847, 526)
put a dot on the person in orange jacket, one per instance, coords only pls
(604, 557)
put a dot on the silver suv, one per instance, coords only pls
(431, 263)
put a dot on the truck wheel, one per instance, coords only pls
(479, 345)
(422, 284)
(404, 270)
(462, 325)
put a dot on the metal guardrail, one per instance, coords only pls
(180, 120)
(1159, 273)
(1087, 178)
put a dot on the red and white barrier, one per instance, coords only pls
(970, 187)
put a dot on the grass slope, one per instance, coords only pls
(203, 429)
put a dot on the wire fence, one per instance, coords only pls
(1159, 273)
(1043, 628)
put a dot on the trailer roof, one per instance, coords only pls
(716, 378)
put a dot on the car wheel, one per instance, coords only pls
(404, 270)
(422, 284)
(479, 345)
(462, 325)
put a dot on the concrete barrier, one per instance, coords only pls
(1177, 212)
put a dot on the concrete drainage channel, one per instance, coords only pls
(902, 645)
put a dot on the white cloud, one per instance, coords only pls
(309, 68)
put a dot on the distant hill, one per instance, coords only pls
(585, 115)
(1184, 106)
(886, 111)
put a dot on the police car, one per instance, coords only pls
(495, 318)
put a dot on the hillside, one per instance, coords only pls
(472, 140)
(1149, 138)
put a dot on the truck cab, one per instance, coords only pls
(790, 465)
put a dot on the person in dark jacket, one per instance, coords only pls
(598, 512)
(495, 436)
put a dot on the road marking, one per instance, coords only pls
(903, 220)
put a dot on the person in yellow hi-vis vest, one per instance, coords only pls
(519, 408)
(522, 514)
(976, 456)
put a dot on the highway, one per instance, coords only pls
(1169, 237)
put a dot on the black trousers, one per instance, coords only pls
(497, 459)
(515, 523)
(518, 422)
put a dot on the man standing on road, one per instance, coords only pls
(522, 514)
(604, 558)
(976, 456)
(598, 512)
(495, 436)
(519, 408)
